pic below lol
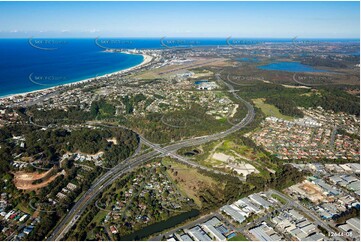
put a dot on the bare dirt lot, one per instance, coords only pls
(314, 193)
(24, 180)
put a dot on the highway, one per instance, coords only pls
(309, 213)
(172, 153)
(132, 162)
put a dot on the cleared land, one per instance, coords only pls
(25, 180)
(269, 109)
(190, 181)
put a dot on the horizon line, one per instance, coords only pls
(185, 37)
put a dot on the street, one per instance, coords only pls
(132, 162)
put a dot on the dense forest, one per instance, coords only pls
(73, 115)
(101, 108)
(332, 61)
(285, 106)
(329, 98)
(177, 124)
(131, 102)
(327, 62)
(49, 144)
(235, 189)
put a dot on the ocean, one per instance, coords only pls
(35, 64)
(24, 68)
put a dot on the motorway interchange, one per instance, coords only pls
(137, 159)
(156, 150)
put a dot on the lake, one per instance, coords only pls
(246, 59)
(290, 67)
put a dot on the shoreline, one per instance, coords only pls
(146, 59)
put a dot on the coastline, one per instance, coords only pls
(146, 60)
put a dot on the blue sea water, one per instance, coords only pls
(290, 67)
(24, 68)
(53, 62)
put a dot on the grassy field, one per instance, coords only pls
(270, 110)
(24, 207)
(99, 217)
(190, 181)
(232, 146)
(280, 199)
(238, 237)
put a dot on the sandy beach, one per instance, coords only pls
(146, 60)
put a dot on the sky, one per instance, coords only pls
(180, 19)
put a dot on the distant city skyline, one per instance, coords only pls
(180, 19)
